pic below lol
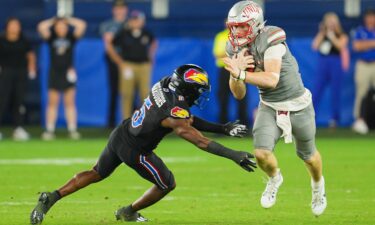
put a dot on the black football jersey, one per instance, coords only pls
(143, 131)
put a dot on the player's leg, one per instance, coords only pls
(266, 133)
(51, 114)
(71, 112)
(107, 163)
(303, 127)
(151, 168)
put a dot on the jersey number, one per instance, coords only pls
(139, 115)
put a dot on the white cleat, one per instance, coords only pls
(319, 200)
(268, 198)
(360, 126)
(20, 134)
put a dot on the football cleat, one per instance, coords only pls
(319, 200)
(40, 210)
(134, 217)
(268, 198)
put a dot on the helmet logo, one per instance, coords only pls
(179, 112)
(194, 76)
(249, 10)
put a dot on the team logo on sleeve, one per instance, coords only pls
(194, 76)
(179, 112)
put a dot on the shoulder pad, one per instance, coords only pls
(275, 35)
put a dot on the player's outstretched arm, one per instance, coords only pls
(183, 128)
(234, 129)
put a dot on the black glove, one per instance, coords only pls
(244, 159)
(235, 129)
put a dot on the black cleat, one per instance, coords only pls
(40, 210)
(134, 217)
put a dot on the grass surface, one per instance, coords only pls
(210, 190)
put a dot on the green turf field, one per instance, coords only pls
(210, 190)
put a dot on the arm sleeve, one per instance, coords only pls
(203, 125)
(275, 52)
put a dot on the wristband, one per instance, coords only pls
(242, 75)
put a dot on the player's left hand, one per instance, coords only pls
(235, 129)
(244, 159)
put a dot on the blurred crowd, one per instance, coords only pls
(130, 51)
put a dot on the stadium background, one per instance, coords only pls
(185, 36)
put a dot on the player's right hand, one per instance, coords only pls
(245, 160)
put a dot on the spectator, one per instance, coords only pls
(364, 44)
(331, 42)
(17, 61)
(109, 30)
(62, 77)
(224, 92)
(137, 46)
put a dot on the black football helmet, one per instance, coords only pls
(191, 81)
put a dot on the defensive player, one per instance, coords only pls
(285, 108)
(166, 109)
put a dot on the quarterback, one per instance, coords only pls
(166, 109)
(259, 55)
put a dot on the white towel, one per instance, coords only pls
(283, 110)
(283, 122)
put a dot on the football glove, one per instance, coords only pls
(244, 159)
(235, 129)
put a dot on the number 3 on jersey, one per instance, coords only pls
(139, 115)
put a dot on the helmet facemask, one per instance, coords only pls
(242, 33)
(203, 98)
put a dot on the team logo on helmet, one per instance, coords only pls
(194, 76)
(179, 112)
